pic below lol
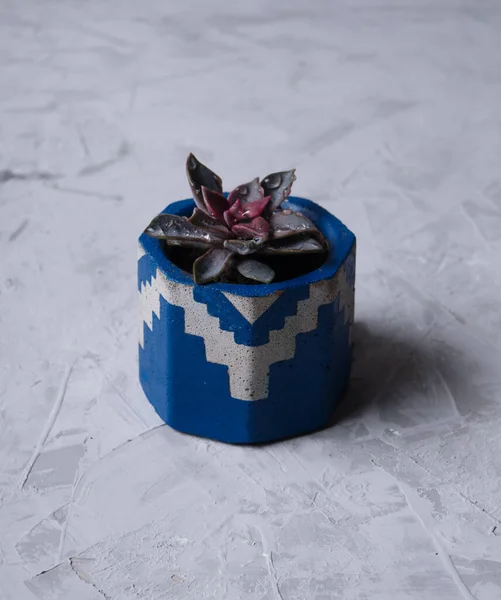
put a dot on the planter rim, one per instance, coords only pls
(340, 238)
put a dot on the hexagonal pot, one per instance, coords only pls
(247, 363)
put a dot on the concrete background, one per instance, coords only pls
(391, 113)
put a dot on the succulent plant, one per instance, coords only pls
(227, 230)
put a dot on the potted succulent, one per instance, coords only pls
(246, 306)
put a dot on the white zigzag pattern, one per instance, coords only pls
(248, 366)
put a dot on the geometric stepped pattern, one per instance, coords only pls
(248, 366)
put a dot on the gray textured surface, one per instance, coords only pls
(391, 113)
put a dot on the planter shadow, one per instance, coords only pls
(403, 382)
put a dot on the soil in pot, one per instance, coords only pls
(285, 266)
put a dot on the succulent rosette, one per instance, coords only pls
(237, 232)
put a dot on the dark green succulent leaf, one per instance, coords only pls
(199, 175)
(247, 192)
(294, 245)
(255, 270)
(179, 231)
(244, 247)
(278, 186)
(212, 265)
(202, 219)
(285, 223)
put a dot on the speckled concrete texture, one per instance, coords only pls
(248, 366)
(391, 113)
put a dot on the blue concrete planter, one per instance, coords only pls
(247, 363)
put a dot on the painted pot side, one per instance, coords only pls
(247, 363)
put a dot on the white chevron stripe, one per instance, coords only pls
(248, 366)
(251, 311)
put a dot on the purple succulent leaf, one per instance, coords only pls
(255, 270)
(239, 211)
(179, 231)
(278, 186)
(294, 245)
(211, 265)
(243, 247)
(247, 192)
(251, 210)
(199, 175)
(215, 203)
(202, 219)
(286, 223)
(257, 228)
(230, 216)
